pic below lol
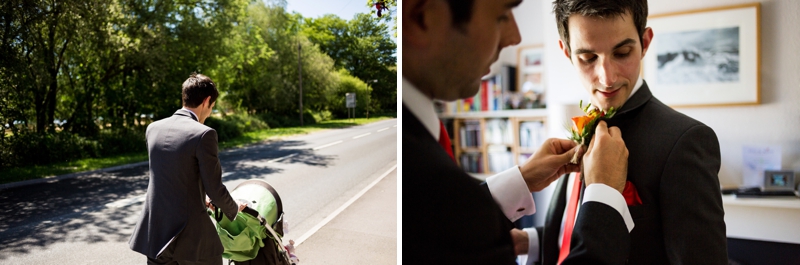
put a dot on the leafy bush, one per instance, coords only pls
(278, 120)
(45, 148)
(121, 142)
(324, 115)
(349, 84)
(232, 126)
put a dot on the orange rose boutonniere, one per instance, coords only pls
(582, 128)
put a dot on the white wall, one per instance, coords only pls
(776, 121)
(529, 20)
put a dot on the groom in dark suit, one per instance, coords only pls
(174, 227)
(674, 159)
(452, 218)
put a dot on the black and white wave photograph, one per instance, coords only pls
(698, 57)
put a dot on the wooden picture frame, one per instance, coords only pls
(706, 57)
(530, 88)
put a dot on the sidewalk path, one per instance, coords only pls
(364, 233)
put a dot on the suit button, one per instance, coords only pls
(520, 209)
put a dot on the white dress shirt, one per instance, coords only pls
(193, 114)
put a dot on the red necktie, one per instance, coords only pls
(444, 141)
(571, 209)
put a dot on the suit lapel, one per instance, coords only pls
(638, 100)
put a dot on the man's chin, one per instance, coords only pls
(604, 104)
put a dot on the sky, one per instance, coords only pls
(345, 9)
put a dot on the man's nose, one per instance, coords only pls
(510, 33)
(606, 73)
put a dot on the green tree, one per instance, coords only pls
(264, 78)
(364, 48)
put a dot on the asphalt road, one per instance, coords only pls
(89, 219)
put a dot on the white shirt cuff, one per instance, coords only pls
(607, 195)
(510, 192)
(533, 246)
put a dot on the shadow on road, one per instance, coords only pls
(74, 210)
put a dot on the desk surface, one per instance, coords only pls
(766, 219)
(771, 202)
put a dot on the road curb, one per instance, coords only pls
(69, 176)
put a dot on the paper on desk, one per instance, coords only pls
(756, 159)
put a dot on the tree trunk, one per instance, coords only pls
(38, 99)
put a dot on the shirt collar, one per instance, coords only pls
(421, 106)
(636, 87)
(193, 114)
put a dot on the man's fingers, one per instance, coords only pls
(615, 132)
(563, 145)
(602, 128)
(591, 145)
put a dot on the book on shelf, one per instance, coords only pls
(499, 157)
(472, 162)
(470, 134)
(499, 131)
(490, 97)
(532, 134)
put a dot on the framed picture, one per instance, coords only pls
(778, 180)
(706, 57)
(530, 86)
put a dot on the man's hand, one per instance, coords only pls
(549, 163)
(606, 160)
(208, 203)
(520, 239)
(242, 205)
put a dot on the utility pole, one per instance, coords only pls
(370, 98)
(300, 77)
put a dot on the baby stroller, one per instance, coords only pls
(254, 237)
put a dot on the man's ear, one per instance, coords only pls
(418, 21)
(647, 38)
(207, 102)
(564, 49)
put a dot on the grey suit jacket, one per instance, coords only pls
(184, 167)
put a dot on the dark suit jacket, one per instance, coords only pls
(452, 219)
(673, 162)
(184, 167)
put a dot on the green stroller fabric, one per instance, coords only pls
(244, 236)
(241, 237)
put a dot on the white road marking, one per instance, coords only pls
(359, 136)
(383, 129)
(281, 158)
(330, 144)
(341, 208)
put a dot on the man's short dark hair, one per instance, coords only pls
(598, 8)
(197, 88)
(461, 11)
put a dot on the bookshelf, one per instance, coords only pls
(488, 133)
(492, 141)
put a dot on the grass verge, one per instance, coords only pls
(88, 164)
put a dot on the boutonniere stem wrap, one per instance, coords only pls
(583, 127)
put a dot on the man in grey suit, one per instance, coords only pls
(174, 227)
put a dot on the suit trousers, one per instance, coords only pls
(166, 258)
